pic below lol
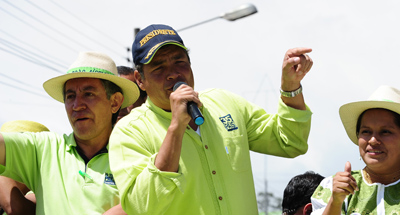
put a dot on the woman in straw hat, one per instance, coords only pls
(373, 125)
(12, 199)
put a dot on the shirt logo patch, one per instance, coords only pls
(109, 179)
(228, 122)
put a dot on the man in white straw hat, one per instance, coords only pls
(166, 161)
(12, 193)
(70, 174)
(373, 125)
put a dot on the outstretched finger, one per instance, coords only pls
(298, 51)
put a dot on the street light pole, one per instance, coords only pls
(198, 23)
(135, 31)
(237, 13)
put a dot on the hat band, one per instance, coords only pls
(89, 69)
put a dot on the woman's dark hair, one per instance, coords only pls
(396, 117)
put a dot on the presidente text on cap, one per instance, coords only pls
(384, 97)
(152, 38)
(93, 65)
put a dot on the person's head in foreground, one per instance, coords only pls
(297, 194)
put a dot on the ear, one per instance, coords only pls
(307, 209)
(139, 80)
(116, 101)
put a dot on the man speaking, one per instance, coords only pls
(164, 163)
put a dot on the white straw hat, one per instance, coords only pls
(23, 126)
(93, 65)
(384, 97)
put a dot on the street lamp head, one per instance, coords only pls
(237, 13)
(240, 12)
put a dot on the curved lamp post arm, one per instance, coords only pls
(190, 26)
(237, 13)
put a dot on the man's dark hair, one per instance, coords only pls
(112, 88)
(299, 190)
(124, 70)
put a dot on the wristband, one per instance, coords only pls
(291, 94)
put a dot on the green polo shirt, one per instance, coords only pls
(49, 165)
(215, 175)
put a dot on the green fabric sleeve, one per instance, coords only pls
(143, 188)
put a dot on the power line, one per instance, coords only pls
(24, 90)
(32, 47)
(65, 45)
(80, 32)
(16, 47)
(51, 28)
(27, 57)
(81, 20)
(30, 60)
(20, 82)
(262, 83)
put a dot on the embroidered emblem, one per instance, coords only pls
(228, 122)
(109, 179)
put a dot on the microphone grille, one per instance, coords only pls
(179, 83)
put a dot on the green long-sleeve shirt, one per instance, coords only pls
(215, 174)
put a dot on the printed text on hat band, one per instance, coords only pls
(89, 69)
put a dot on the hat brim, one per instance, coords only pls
(158, 46)
(23, 126)
(55, 86)
(349, 114)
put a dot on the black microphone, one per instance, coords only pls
(192, 108)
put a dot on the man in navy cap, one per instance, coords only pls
(165, 163)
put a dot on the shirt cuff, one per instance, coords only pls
(293, 114)
(176, 177)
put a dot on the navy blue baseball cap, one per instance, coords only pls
(152, 38)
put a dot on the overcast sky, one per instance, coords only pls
(355, 50)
